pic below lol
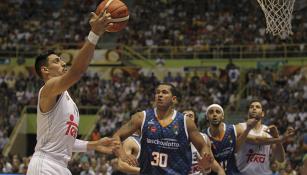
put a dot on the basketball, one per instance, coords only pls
(119, 13)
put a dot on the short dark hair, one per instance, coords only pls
(42, 60)
(195, 115)
(173, 90)
(256, 100)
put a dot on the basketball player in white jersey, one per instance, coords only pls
(195, 170)
(57, 114)
(255, 159)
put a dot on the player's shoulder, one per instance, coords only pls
(205, 136)
(242, 124)
(264, 126)
(139, 114)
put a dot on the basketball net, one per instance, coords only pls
(278, 16)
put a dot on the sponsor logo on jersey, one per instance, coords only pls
(230, 139)
(164, 143)
(175, 129)
(225, 152)
(195, 169)
(151, 122)
(153, 129)
(72, 127)
(255, 157)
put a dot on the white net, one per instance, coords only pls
(278, 15)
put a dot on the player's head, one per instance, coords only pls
(191, 114)
(215, 114)
(255, 109)
(49, 65)
(165, 95)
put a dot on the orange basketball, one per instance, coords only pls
(119, 13)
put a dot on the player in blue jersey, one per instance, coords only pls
(195, 170)
(224, 138)
(165, 137)
(132, 146)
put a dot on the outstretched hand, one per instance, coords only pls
(121, 154)
(206, 161)
(273, 131)
(107, 141)
(290, 132)
(130, 159)
(100, 22)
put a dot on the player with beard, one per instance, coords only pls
(255, 159)
(195, 170)
(224, 138)
(165, 137)
(227, 139)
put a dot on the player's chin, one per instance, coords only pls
(215, 122)
(254, 117)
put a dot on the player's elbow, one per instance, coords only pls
(280, 158)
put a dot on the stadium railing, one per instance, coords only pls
(177, 52)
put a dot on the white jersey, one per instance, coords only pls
(57, 130)
(254, 159)
(195, 170)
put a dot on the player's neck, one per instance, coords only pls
(163, 114)
(258, 126)
(217, 131)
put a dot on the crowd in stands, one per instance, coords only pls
(40, 23)
(284, 96)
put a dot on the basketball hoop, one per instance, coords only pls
(278, 16)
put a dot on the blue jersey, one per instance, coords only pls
(165, 150)
(224, 150)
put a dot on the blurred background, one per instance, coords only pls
(213, 51)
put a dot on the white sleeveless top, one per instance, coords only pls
(57, 130)
(254, 159)
(195, 170)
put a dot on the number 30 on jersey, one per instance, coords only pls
(159, 159)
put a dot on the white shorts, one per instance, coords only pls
(44, 166)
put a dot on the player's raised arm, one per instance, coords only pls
(263, 140)
(56, 85)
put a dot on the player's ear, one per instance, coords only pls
(44, 69)
(174, 99)
(262, 114)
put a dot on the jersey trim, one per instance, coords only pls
(53, 108)
(235, 130)
(144, 119)
(185, 126)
